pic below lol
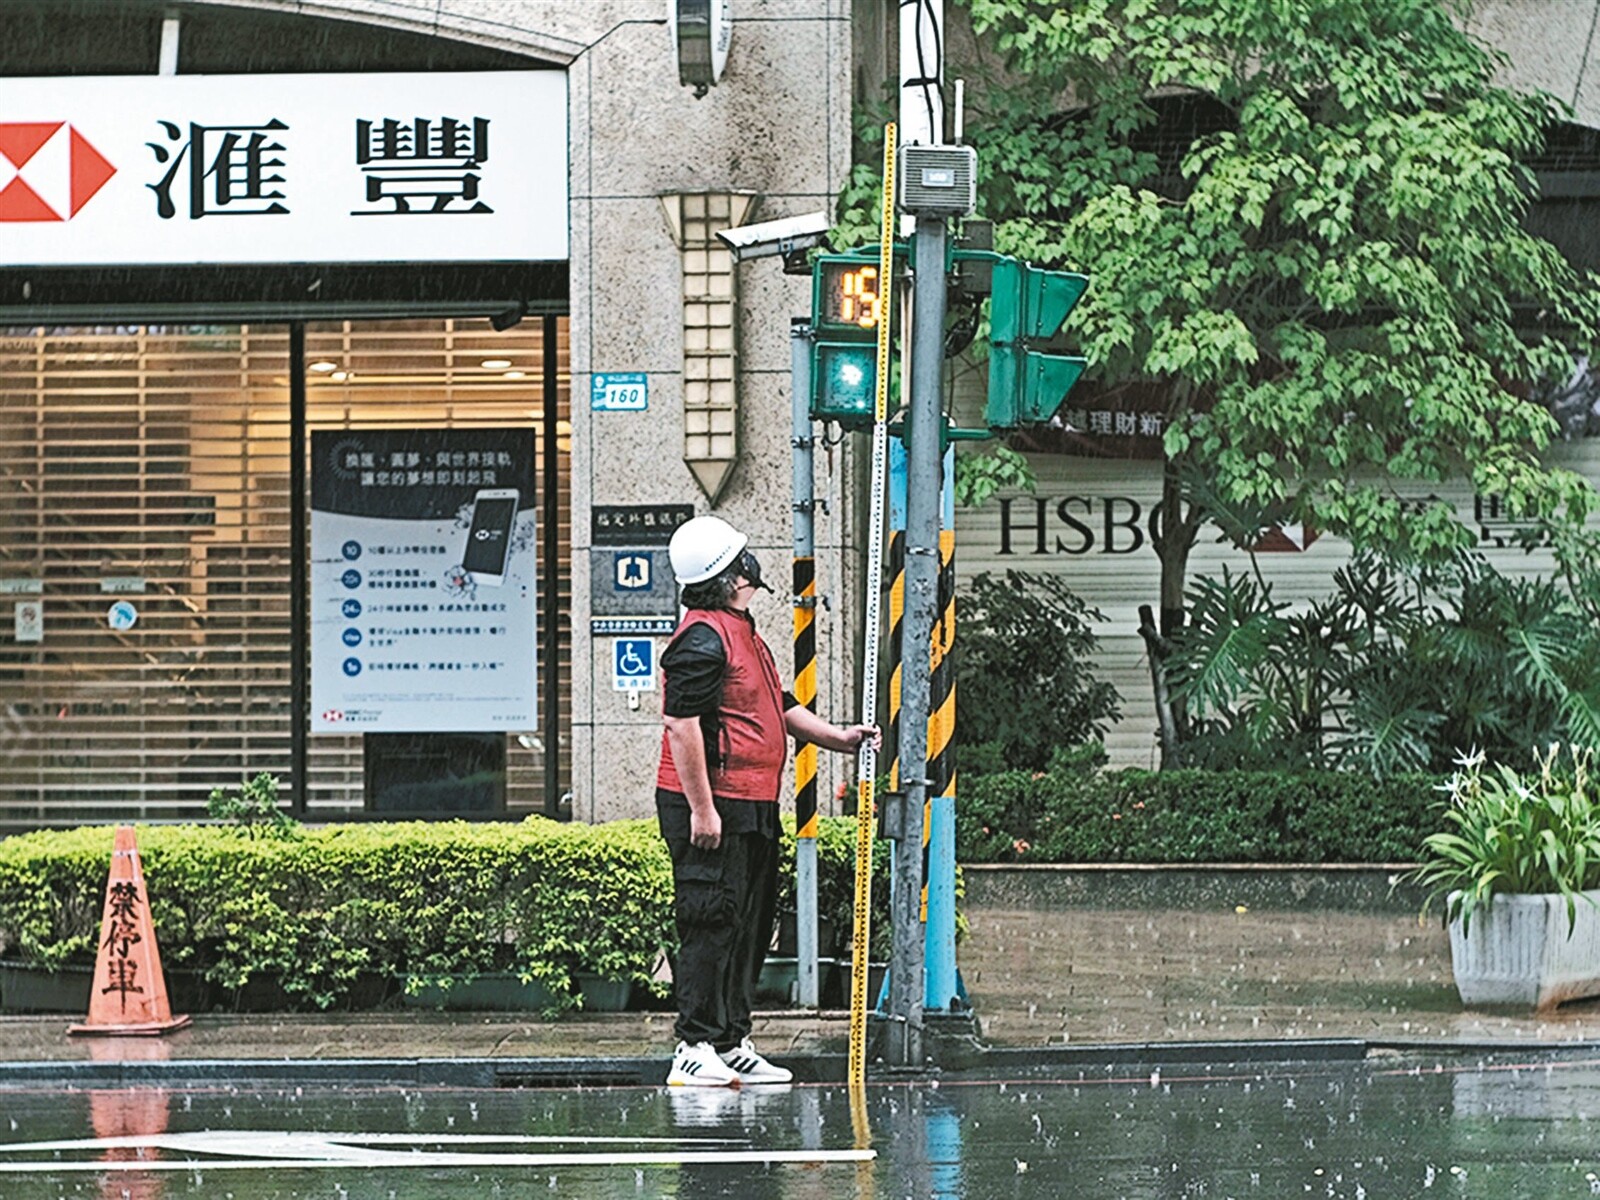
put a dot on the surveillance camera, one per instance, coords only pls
(502, 321)
(790, 237)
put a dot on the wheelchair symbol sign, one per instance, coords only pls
(634, 665)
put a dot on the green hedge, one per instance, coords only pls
(1193, 816)
(321, 909)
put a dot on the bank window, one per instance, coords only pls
(145, 535)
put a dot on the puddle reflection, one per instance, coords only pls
(1391, 1127)
(121, 1113)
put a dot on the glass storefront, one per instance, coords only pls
(147, 469)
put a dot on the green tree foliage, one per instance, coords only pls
(980, 474)
(1023, 684)
(1327, 284)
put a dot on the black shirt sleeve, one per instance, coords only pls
(694, 666)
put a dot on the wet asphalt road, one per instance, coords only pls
(1393, 1126)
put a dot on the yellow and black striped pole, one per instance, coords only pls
(805, 691)
(805, 786)
(942, 706)
(943, 991)
(897, 612)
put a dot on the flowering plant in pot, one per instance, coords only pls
(1518, 868)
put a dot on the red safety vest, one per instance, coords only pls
(753, 742)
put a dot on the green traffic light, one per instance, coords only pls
(1026, 386)
(1051, 295)
(844, 382)
(1047, 378)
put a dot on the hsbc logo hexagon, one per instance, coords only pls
(48, 171)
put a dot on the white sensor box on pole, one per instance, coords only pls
(938, 181)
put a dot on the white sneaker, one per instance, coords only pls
(752, 1067)
(699, 1066)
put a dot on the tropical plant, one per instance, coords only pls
(1394, 671)
(1024, 684)
(1511, 834)
(1303, 222)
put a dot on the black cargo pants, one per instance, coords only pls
(724, 901)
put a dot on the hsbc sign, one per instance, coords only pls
(55, 171)
(438, 167)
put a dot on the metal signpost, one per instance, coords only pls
(805, 664)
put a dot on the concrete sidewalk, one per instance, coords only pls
(1043, 980)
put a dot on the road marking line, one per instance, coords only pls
(413, 1160)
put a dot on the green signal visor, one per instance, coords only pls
(844, 383)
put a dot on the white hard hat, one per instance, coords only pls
(702, 548)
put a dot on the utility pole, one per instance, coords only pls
(923, 421)
(921, 125)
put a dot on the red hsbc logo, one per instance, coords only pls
(48, 171)
(1285, 539)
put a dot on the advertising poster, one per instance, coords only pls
(422, 581)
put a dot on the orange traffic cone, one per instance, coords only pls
(130, 993)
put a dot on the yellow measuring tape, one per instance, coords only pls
(866, 775)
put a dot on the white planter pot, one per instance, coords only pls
(1519, 951)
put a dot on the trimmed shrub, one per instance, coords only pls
(1192, 816)
(431, 901)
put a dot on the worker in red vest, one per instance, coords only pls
(728, 720)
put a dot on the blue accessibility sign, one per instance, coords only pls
(634, 665)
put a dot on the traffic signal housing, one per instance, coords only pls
(848, 300)
(1028, 305)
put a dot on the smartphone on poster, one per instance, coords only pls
(494, 511)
